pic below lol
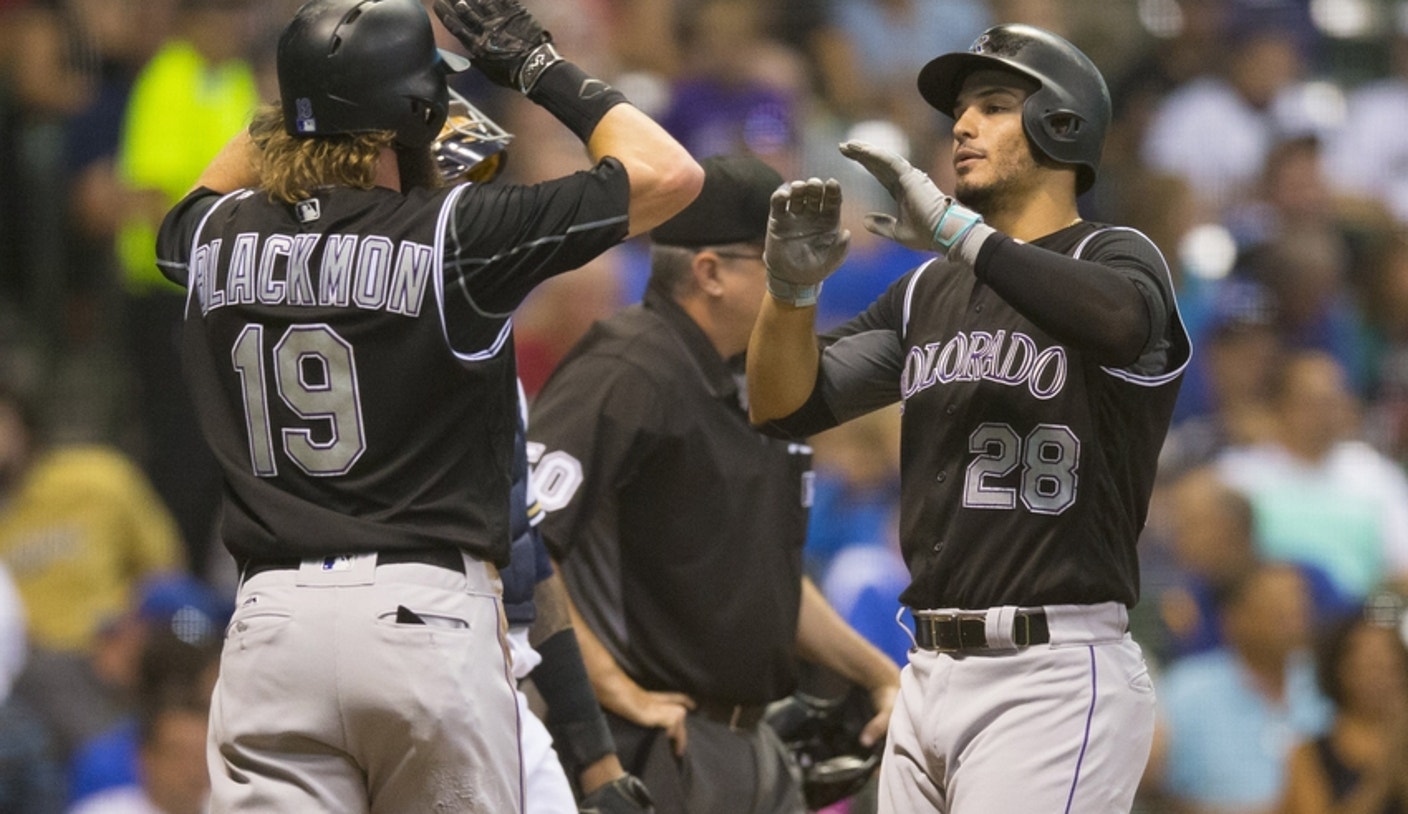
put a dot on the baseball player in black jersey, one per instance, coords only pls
(1037, 360)
(348, 345)
(679, 528)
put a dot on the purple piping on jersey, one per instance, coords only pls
(1085, 739)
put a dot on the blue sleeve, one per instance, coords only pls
(540, 551)
(106, 761)
(873, 617)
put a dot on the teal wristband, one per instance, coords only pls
(946, 234)
(795, 294)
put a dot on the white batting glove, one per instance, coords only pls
(928, 220)
(805, 242)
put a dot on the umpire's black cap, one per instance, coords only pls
(731, 208)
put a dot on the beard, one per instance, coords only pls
(984, 200)
(417, 168)
(1008, 186)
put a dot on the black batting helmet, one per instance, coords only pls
(356, 66)
(1066, 118)
(823, 735)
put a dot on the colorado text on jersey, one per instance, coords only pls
(995, 357)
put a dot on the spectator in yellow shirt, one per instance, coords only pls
(80, 528)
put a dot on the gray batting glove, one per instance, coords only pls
(624, 795)
(805, 241)
(928, 220)
(503, 40)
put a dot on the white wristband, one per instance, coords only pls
(539, 60)
(795, 294)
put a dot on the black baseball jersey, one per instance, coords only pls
(1026, 466)
(351, 355)
(679, 528)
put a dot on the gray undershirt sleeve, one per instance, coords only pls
(860, 373)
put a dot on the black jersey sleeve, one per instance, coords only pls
(502, 241)
(1109, 302)
(178, 231)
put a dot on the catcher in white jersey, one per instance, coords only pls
(1038, 358)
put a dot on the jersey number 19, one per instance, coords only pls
(315, 375)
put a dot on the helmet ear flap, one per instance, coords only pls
(1063, 125)
(428, 113)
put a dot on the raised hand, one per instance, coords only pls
(928, 220)
(502, 39)
(805, 242)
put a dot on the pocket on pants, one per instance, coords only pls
(413, 612)
(407, 617)
(1136, 668)
(254, 623)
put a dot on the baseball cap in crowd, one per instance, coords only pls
(193, 610)
(732, 207)
(1240, 306)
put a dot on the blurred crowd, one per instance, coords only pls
(1262, 144)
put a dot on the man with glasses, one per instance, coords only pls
(679, 528)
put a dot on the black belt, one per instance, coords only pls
(742, 717)
(958, 632)
(450, 558)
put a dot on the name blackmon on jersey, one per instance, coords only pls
(370, 272)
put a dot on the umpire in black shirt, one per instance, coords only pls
(679, 528)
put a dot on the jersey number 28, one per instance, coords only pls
(1048, 457)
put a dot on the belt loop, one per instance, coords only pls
(998, 627)
(899, 620)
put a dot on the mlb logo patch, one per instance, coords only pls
(308, 211)
(304, 120)
(338, 563)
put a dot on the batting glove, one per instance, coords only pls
(624, 795)
(805, 242)
(503, 40)
(928, 220)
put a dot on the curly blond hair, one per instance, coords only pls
(291, 168)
